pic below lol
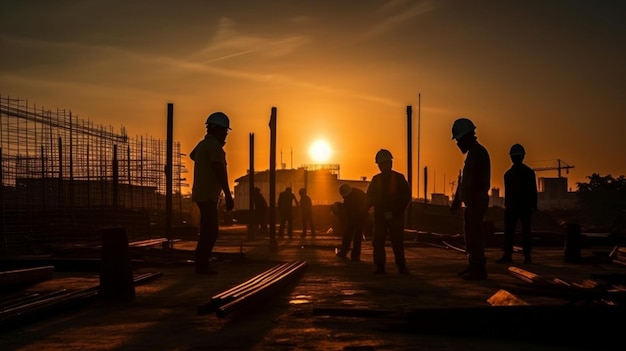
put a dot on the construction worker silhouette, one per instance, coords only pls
(473, 191)
(356, 212)
(260, 209)
(285, 201)
(306, 211)
(210, 179)
(390, 194)
(340, 219)
(520, 201)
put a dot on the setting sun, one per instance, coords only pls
(320, 151)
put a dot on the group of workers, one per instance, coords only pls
(388, 194)
(286, 199)
(285, 209)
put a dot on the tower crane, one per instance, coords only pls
(560, 165)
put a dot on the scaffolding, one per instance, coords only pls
(62, 176)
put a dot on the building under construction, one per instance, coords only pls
(64, 178)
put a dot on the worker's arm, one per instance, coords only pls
(222, 178)
(456, 202)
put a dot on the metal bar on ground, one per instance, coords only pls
(231, 294)
(258, 293)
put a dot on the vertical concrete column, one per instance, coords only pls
(572, 243)
(116, 275)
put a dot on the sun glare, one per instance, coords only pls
(320, 151)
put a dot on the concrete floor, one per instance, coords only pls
(334, 304)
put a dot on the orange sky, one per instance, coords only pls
(547, 74)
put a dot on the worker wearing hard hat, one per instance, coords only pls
(473, 192)
(210, 179)
(286, 198)
(520, 201)
(260, 210)
(390, 194)
(306, 211)
(356, 214)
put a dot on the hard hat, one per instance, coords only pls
(345, 189)
(517, 149)
(218, 119)
(383, 155)
(461, 127)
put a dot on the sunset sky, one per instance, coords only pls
(548, 74)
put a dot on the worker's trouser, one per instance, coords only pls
(208, 232)
(353, 234)
(286, 220)
(307, 222)
(511, 217)
(394, 228)
(474, 238)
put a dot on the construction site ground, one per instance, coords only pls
(333, 304)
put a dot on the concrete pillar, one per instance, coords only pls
(116, 275)
(572, 243)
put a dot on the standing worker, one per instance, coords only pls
(285, 201)
(210, 179)
(473, 191)
(390, 194)
(520, 201)
(356, 212)
(260, 211)
(306, 210)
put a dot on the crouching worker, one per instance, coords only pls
(356, 212)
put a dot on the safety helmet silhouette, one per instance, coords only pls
(383, 155)
(461, 127)
(518, 150)
(345, 189)
(218, 119)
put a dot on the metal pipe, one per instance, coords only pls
(259, 292)
(233, 293)
(56, 301)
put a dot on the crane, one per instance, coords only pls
(560, 165)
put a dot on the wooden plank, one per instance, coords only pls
(60, 264)
(148, 242)
(522, 274)
(587, 290)
(505, 298)
(26, 276)
(536, 279)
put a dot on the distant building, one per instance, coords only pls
(321, 181)
(554, 194)
(495, 200)
(439, 199)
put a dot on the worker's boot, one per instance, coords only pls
(476, 272)
(204, 268)
(465, 271)
(506, 258)
(526, 250)
(527, 258)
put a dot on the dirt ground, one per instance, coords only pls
(334, 304)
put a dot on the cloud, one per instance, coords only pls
(110, 69)
(399, 15)
(228, 43)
